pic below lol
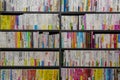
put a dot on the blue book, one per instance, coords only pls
(118, 40)
(78, 45)
(65, 5)
(80, 38)
(10, 74)
(35, 27)
(3, 75)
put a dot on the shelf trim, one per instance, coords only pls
(29, 67)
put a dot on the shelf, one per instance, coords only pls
(83, 13)
(99, 31)
(29, 49)
(90, 49)
(86, 67)
(23, 12)
(29, 67)
(30, 30)
(62, 13)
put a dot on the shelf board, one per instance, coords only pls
(90, 49)
(27, 12)
(83, 13)
(29, 49)
(91, 31)
(29, 30)
(86, 67)
(29, 67)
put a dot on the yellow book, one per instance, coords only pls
(18, 40)
(28, 45)
(40, 76)
(8, 22)
(81, 77)
(99, 74)
(32, 61)
(95, 74)
(49, 27)
(25, 62)
(3, 21)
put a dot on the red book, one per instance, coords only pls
(115, 40)
(31, 74)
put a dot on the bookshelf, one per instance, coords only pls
(59, 31)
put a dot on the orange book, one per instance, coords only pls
(12, 21)
(72, 37)
(75, 40)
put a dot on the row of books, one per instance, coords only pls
(16, 40)
(91, 5)
(29, 58)
(91, 58)
(51, 22)
(106, 40)
(33, 5)
(75, 39)
(90, 74)
(29, 74)
(28, 40)
(69, 22)
(45, 40)
(91, 22)
(102, 21)
(30, 22)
